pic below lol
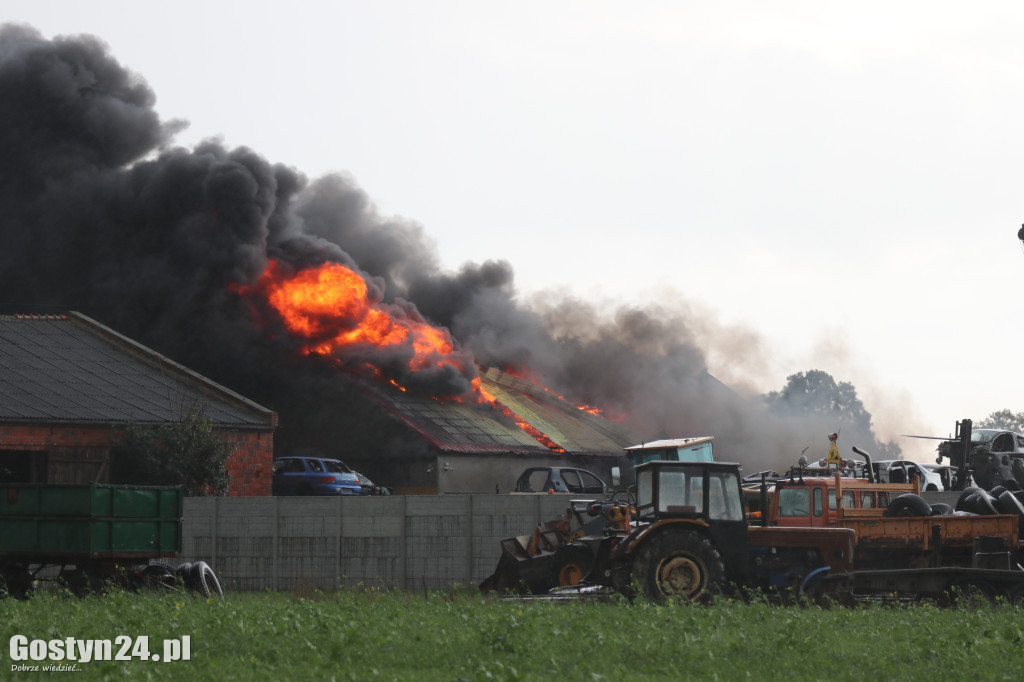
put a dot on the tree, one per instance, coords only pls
(815, 395)
(186, 453)
(1003, 419)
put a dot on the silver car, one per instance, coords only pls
(893, 470)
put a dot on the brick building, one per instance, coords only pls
(68, 385)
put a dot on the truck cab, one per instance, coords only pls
(825, 501)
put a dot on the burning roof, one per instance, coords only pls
(469, 427)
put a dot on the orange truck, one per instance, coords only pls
(905, 548)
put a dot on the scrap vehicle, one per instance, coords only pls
(560, 480)
(693, 449)
(907, 547)
(991, 457)
(90, 535)
(683, 535)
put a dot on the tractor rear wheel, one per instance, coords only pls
(680, 564)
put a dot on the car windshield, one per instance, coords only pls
(983, 435)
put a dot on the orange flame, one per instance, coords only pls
(330, 306)
(536, 433)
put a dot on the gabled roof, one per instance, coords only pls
(466, 428)
(70, 368)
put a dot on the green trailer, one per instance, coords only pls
(89, 535)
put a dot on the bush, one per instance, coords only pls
(186, 453)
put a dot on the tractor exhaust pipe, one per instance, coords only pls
(867, 458)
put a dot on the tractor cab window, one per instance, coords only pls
(724, 502)
(794, 502)
(818, 505)
(679, 490)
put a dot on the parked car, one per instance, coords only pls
(949, 475)
(369, 487)
(901, 470)
(560, 480)
(314, 476)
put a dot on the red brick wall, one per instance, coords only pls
(249, 465)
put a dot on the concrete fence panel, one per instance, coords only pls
(411, 542)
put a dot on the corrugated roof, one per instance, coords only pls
(457, 427)
(465, 428)
(70, 368)
(575, 430)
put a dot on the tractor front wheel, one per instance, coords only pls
(679, 564)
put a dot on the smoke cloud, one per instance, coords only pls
(102, 213)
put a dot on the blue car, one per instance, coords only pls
(314, 476)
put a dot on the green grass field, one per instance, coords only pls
(460, 635)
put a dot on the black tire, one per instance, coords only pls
(942, 509)
(159, 574)
(997, 491)
(680, 564)
(1009, 504)
(204, 580)
(972, 595)
(571, 564)
(981, 503)
(909, 504)
(967, 492)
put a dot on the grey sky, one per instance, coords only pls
(826, 185)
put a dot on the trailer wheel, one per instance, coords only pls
(204, 581)
(972, 595)
(681, 564)
(571, 564)
(909, 504)
(17, 581)
(1015, 597)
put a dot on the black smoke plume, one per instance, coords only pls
(101, 212)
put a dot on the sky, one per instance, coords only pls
(829, 186)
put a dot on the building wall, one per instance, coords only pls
(250, 465)
(71, 453)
